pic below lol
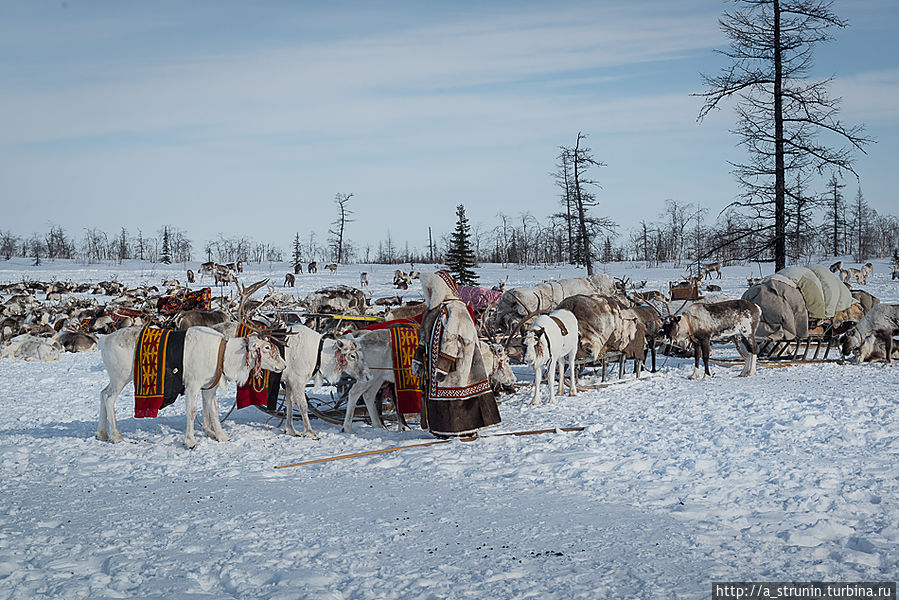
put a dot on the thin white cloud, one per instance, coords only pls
(428, 74)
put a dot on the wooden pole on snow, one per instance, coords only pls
(397, 448)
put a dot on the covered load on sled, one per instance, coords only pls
(795, 298)
(802, 304)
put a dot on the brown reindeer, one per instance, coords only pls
(312, 267)
(701, 323)
(289, 280)
(710, 268)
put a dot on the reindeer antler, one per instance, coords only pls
(245, 293)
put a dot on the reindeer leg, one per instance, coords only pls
(107, 411)
(363, 389)
(538, 372)
(551, 379)
(190, 400)
(706, 350)
(572, 383)
(212, 421)
(696, 372)
(888, 345)
(749, 363)
(292, 395)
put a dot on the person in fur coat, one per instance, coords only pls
(456, 396)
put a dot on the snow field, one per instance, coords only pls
(673, 484)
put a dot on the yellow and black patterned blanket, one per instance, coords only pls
(158, 370)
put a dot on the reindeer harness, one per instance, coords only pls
(219, 365)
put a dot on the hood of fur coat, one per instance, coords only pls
(437, 288)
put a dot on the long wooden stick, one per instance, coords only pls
(358, 454)
(397, 448)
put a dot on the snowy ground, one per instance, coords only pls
(673, 484)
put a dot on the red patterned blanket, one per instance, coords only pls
(403, 341)
(262, 390)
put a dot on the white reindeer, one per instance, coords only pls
(309, 354)
(205, 365)
(377, 349)
(552, 339)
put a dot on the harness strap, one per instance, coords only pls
(689, 329)
(560, 324)
(220, 364)
(318, 358)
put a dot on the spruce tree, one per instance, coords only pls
(297, 252)
(166, 247)
(460, 258)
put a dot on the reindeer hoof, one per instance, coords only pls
(311, 435)
(223, 438)
(348, 430)
(190, 444)
(102, 437)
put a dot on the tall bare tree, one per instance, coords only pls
(580, 157)
(779, 111)
(343, 217)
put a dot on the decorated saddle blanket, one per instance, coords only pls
(403, 341)
(478, 298)
(158, 370)
(262, 390)
(191, 300)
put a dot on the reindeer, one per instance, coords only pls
(198, 318)
(877, 327)
(208, 357)
(552, 339)
(207, 268)
(751, 281)
(710, 268)
(312, 267)
(332, 267)
(401, 279)
(836, 267)
(376, 347)
(307, 355)
(856, 274)
(290, 280)
(867, 270)
(190, 276)
(76, 341)
(224, 275)
(701, 323)
(363, 279)
(298, 269)
(895, 271)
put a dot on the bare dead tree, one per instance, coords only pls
(779, 111)
(343, 217)
(580, 157)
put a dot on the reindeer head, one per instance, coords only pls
(850, 341)
(502, 371)
(671, 328)
(534, 352)
(262, 354)
(349, 360)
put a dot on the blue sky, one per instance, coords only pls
(247, 118)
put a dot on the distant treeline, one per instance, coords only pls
(681, 235)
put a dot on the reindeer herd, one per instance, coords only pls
(559, 326)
